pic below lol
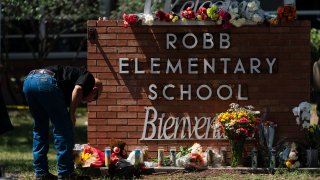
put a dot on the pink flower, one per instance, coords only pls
(243, 120)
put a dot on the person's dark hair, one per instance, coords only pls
(89, 85)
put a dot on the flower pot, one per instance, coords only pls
(312, 158)
(237, 147)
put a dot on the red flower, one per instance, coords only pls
(188, 13)
(130, 19)
(167, 17)
(161, 15)
(197, 159)
(245, 131)
(286, 12)
(202, 12)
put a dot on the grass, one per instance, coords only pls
(16, 145)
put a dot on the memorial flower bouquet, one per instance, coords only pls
(238, 123)
(313, 136)
(202, 14)
(196, 156)
(187, 14)
(190, 157)
(168, 17)
(286, 13)
(92, 157)
(212, 13)
(227, 13)
(131, 20)
(311, 131)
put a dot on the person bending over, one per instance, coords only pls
(49, 92)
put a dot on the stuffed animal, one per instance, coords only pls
(292, 161)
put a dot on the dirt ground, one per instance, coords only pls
(236, 175)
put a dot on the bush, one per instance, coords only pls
(315, 44)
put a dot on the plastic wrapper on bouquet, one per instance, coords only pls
(195, 158)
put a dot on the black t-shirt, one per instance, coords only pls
(68, 76)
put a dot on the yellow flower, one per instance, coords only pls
(175, 18)
(311, 130)
(85, 156)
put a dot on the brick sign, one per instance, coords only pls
(163, 85)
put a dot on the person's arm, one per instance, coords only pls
(75, 100)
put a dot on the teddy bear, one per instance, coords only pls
(292, 162)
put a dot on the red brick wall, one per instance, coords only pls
(119, 113)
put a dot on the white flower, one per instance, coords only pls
(216, 125)
(148, 19)
(238, 22)
(305, 124)
(234, 16)
(219, 22)
(298, 120)
(305, 116)
(256, 112)
(252, 6)
(305, 106)
(234, 10)
(257, 18)
(296, 111)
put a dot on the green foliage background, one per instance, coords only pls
(50, 10)
(315, 44)
(137, 6)
(47, 19)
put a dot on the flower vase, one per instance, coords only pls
(237, 147)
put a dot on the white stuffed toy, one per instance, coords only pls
(292, 162)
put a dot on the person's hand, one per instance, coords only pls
(73, 119)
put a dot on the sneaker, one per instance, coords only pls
(74, 176)
(47, 176)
